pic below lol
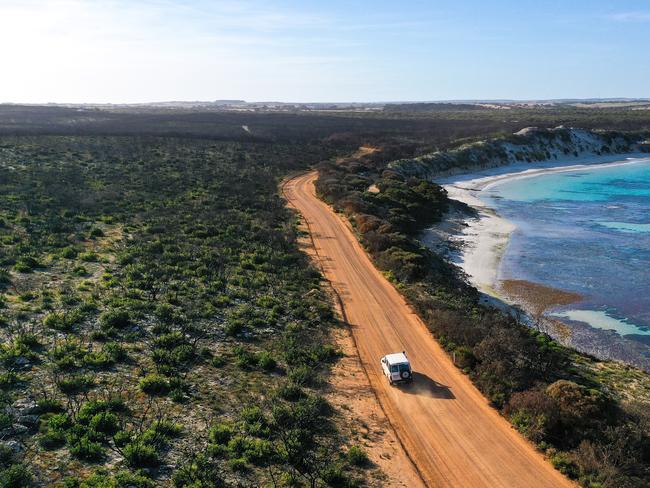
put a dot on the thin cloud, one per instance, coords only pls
(631, 17)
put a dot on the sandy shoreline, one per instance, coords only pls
(484, 239)
(476, 243)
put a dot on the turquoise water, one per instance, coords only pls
(626, 226)
(585, 231)
(601, 320)
(587, 185)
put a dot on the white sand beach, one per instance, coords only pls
(485, 239)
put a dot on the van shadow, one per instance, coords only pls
(423, 385)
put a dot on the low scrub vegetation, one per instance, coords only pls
(157, 317)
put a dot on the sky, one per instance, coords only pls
(128, 51)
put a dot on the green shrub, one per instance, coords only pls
(106, 422)
(150, 437)
(87, 307)
(103, 479)
(326, 352)
(529, 425)
(49, 405)
(302, 376)
(7, 456)
(66, 364)
(69, 252)
(16, 476)
(244, 358)
(464, 357)
(563, 463)
(26, 264)
(93, 407)
(533, 413)
(9, 381)
(122, 438)
(218, 361)
(52, 439)
(154, 385)
(221, 433)
(5, 420)
(265, 361)
(170, 340)
(29, 340)
(80, 271)
(12, 354)
(116, 351)
(59, 422)
(75, 384)
(357, 456)
(98, 360)
(115, 319)
(198, 472)
(82, 447)
(5, 278)
(177, 396)
(184, 353)
(99, 336)
(27, 296)
(334, 477)
(259, 452)
(290, 392)
(167, 428)
(253, 416)
(238, 464)
(96, 232)
(89, 257)
(139, 455)
(218, 451)
(62, 321)
(233, 328)
(221, 301)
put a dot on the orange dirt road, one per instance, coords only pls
(448, 429)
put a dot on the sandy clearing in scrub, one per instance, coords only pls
(446, 426)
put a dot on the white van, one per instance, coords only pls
(397, 368)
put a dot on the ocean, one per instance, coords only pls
(585, 231)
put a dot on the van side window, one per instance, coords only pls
(393, 368)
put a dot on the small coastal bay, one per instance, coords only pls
(569, 242)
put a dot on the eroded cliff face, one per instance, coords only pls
(526, 146)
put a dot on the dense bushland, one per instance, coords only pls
(550, 393)
(157, 318)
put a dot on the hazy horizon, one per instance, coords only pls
(152, 51)
(341, 102)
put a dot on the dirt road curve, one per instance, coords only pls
(447, 427)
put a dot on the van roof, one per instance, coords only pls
(396, 358)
